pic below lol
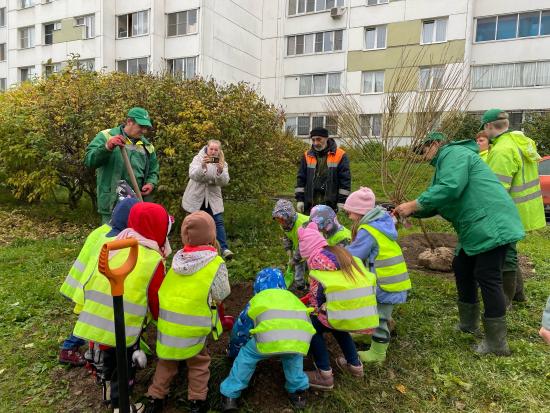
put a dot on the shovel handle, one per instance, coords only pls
(116, 276)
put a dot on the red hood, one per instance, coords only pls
(150, 220)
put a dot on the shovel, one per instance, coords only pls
(130, 172)
(116, 277)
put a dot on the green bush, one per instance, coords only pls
(538, 129)
(45, 127)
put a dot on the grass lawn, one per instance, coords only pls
(430, 367)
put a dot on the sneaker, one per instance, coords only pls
(227, 255)
(198, 406)
(298, 399)
(321, 379)
(355, 371)
(71, 357)
(229, 404)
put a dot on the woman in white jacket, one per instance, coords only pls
(207, 174)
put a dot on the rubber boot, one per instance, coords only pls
(519, 295)
(509, 286)
(361, 338)
(495, 337)
(376, 353)
(468, 315)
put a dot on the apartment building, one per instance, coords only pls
(295, 52)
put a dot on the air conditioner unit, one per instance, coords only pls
(337, 11)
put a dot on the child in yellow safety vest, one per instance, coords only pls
(343, 298)
(290, 220)
(274, 322)
(82, 269)
(375, 243)
(327, 222)
(188, 313)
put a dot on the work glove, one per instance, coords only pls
(115, 141)
(139, 359)
(147, 189)
(300, 207)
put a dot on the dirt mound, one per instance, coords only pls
(415, 244)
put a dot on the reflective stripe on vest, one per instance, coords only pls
(185, 317)
(83, 266)
(351, 304)
(292, 235)
(339, 236)
(281, 322)
(96, 321)
(504, 178)
(389, 264)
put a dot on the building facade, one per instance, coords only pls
(295, 52)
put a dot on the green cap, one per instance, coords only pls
(141, 116)
(434, 137)
(492, 115)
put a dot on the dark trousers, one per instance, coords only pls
(483, 270)
(318, 347)
(110, 371)
(220, 226)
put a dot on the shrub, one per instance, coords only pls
(538, 129)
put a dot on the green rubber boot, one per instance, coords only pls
(509, 282)
(361, 338)
(468, 315)
(376, 353)
(519, 296)
(495, 337)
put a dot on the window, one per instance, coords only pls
(510, 75)
(375, 2)
(88, 22)
(48, 31)
(87, 64)
(27, 73)
(373, 82)
(185, 67)
(431, 77)
(183, 22)
(133, 24)
(302, 125)
(371, 125)
(3, 84)
(319, 84)
(133, 66)
(50, 69)
(2, 16)
(434, 31)
(2, 52)
(375, 37)
(26, 3)
(312, 6)
(26, 37)
(512, 26)
(323, 42)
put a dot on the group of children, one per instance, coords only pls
(354, 280)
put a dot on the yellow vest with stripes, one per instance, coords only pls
(351, 304)
(292, 235)
(82, 268)
(281, 322)
(339, 236)
(391, 270)
(186, 317)
(96, 321)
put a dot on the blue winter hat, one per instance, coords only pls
(269, 278)
(119, 218)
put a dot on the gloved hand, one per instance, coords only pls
(147, 189)
(139, 358)
(115, 141)
(300, 207)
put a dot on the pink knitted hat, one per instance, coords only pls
(360, 201)
(310, 240)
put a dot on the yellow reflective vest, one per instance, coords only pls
(514, 160)
(281, 322)
(293, 233)
(339, 236)
(351, 304)
(390, 267)
(186, 317)
(96, 321)
(83, 266)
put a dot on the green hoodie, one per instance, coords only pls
(465, 192)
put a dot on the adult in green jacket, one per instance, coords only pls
(104, 154)
(465, 192)
(514, 160)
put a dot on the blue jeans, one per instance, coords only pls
(319, 350)
(245, 364)
(72, 342)
(220, 227)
